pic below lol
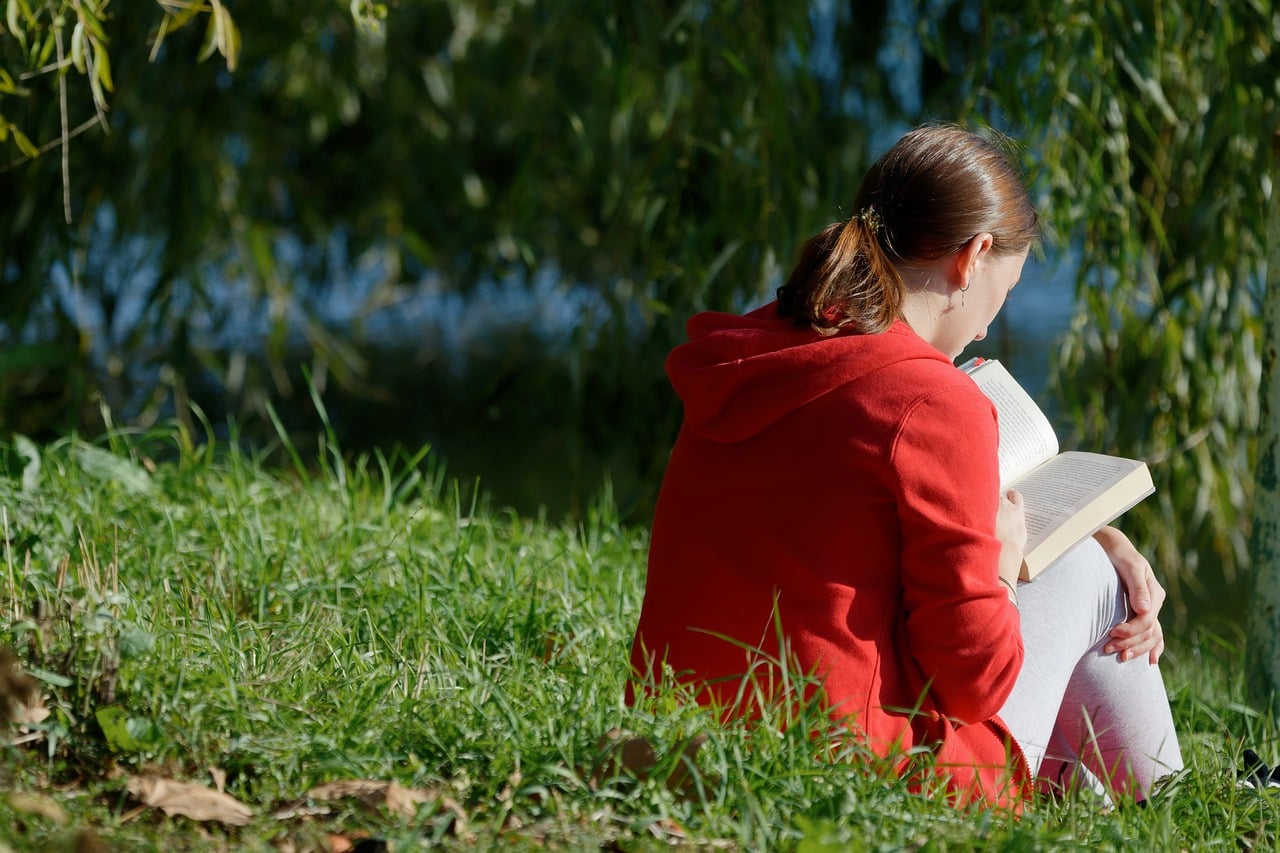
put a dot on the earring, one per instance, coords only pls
(962, 293)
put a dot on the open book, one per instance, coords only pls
(1067, 496)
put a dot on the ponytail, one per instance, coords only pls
(843, 279)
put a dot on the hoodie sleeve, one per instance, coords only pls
(961, 629)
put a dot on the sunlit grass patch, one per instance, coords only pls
(349, 650)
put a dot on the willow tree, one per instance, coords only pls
(1147, 127)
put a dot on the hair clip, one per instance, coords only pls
(870, 217)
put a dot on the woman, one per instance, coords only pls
(833, 500)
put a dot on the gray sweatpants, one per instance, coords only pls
(1080, 716)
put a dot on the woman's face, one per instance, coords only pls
(989, 287)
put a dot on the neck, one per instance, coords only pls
(927, 299)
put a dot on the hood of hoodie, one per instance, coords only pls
(739, 374)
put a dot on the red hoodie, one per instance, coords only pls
(852, 483)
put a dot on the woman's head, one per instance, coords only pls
(925, 198)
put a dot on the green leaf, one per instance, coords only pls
(227, 35)
(12, 23)
(95, 86)
(114, 722)
(45, 51)
(107, 467)
(735, 62)
(77, 47)
(125, 733)
(30, 456)
(51, 678)
(158, 38)
(135, 641)
(95, 26)
(210, 39)
(102, 67)
(23, 143)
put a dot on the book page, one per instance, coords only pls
(1026, 436)
(1063, 485)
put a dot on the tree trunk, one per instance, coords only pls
(1262, 657)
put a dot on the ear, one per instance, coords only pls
(966, 260)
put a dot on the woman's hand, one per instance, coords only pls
(1011, 530)
(1141, 634)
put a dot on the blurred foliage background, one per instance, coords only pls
(207, 206)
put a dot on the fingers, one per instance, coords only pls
(1139, 636)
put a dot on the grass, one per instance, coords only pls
(190, 612)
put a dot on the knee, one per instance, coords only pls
(1080, 589)
(1092, 573)
(1092, 562)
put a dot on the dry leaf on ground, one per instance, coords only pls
(37, 804)
(619, 751)
(372, 793)
(193, 801)
(18, 690)
(669, 830)
(635, 756)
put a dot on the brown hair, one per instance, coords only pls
(926, 197)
